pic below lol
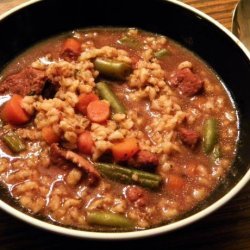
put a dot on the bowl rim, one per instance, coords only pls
(148, 232)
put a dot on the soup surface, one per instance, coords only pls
(113, 129)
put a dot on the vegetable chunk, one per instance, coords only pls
(85, 143)
(112, 68)
(108, 219)
(129, 176)
(124, 150)
(13, 112)
(210, 136)
(84, 100)
(98, 111)
(106, 93)
(14, 143)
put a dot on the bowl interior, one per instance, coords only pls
(44, 19)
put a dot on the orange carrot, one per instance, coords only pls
(13, 112)
(175, 183)
(84, 100)
(85, 143)
(124, 150)
(49, 135)
(98, 111)
(72, 46)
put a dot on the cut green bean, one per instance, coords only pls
(106, 93)
(216, 154)
(210, 135)
(112, 68)
(129, 176)
(130, 42)
(108, 219)
(14, 142)
(161, 53)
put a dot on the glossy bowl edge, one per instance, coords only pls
(148, 232)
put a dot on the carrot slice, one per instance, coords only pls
(13, 112)
(49, 135)
(124, 150)
(175, 183)
(84, 100)
(71, 45)
(98, 111)
(85, 143)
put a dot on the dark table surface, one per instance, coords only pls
(227, 228)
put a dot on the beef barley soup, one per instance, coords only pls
(113, 129)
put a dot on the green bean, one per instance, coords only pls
(130, 42)
(112, 68)
(216, 154)
(129, 176)
(210, 135)
(106, 93)
(14, 143)
(161, 53)
(108, 219)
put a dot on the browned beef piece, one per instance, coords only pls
(49, 90)
(188, 83)
(62, 156)
(71, 49)
(69, 55)
(144, 160)
(26, 82)
(189, 137)
(137, 195)
(57, 156)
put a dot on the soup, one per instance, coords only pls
(113, 129)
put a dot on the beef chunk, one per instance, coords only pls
(27, 82)
(57, 156)
(137, 195)
(144, 160)
(189, 137)
(69, 55)
(71, 49)
(188, 83)
(61, 156)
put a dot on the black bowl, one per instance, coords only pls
(34, 22)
